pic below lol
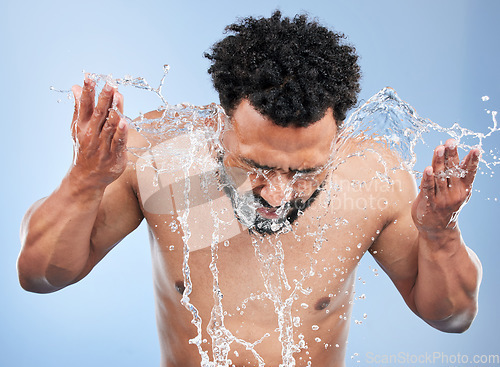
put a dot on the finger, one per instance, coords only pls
(119, 141)
(101, 111)
(451, 154)
(77, 94)
(118, 101)
(87, 100)
(427, 185)
(109, 127)
(438, 167)
(452, 161)
(470, 164)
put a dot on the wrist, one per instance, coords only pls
(446, 239)
(83, 188)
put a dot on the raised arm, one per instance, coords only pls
(66, 234)
(422, 249)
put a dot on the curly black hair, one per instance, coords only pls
(290, 70)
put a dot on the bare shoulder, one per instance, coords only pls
(395, 185)
(371, 164)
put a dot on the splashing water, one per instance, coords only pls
(387, 118)
(384, 118)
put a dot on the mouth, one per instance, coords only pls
(268, 213)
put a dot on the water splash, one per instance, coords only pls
(136, 82)
(384, 118)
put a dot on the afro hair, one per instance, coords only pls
(290, 70)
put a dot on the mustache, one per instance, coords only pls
(292, 204)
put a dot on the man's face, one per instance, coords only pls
(271, 173)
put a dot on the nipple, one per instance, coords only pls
(179, 286)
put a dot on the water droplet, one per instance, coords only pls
(174, 226)
(296, 321)
(315, 327)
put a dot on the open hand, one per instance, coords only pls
(445, 188)
(99, 135)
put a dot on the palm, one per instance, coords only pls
(445, 188)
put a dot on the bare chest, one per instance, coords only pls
(258, 288)
(310, 267)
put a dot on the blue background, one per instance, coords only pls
(440, 56)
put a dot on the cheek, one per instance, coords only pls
(305, 187)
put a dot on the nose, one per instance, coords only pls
(276, 189)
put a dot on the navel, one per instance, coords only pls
(322, 303)
(179, 286)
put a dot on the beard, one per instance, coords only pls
(245, 207)
(293, 210)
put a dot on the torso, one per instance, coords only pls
(308, 272)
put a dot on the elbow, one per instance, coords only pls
(37, 275)
(458, 323)
(454, 327)
(32, 285)
(29, 280)
(36, 285)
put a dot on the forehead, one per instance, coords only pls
(257, 138)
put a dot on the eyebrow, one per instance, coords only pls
(254, 164)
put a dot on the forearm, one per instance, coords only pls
(447, 283)
(56, 236)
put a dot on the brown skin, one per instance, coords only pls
(416, 241)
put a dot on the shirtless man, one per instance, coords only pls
(285, 203)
